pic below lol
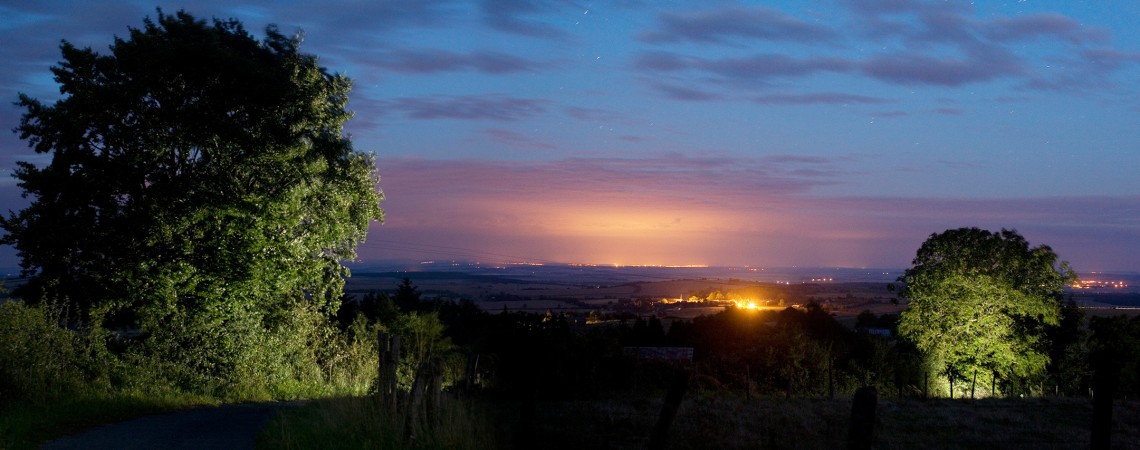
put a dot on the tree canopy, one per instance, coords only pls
(980, 302)
(195, 172)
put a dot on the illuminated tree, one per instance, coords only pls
(196, 177)
(980, 303)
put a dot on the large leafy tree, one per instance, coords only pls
(981, 302)
(196, 173)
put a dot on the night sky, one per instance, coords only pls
(828, 133)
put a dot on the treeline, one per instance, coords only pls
(802, 352)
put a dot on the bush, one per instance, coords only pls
(39, 360)
(298, 353)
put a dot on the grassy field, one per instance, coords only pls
(712, 421)
(735, 423)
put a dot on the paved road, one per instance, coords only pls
(222, 427)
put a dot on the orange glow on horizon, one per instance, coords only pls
(1099, 284)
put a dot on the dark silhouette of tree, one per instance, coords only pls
(407, 296)
(374, 306)
(980, 303)
(1068, 355)
(1114, 354)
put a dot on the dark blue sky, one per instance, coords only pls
(828, 133)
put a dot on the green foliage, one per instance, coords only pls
(39, 361)
(422, 338)
(54, 379)
(981, 303)
(199, 190)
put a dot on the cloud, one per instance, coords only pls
(921, 68)
(798, 159)
(469, 107)
(831, 98)
(429, 61)
(945, 44)
(732, 211)
(512, 16)
(720, 24)
(744, 68)
(683, 93)
(1023, 28)
(517, 140)
(682, 178)
(598, 115)
(1090, 69)
(1107, 59)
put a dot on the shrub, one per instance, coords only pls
(39, 360)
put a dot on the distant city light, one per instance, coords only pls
(1099, 284)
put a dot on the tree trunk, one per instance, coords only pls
(973, 384)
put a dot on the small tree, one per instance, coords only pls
(979, 304)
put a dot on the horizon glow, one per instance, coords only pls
(774, 134)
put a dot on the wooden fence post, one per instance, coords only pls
(435, 391)
(1104, 389)
(830, 375)
(925, 385)
(415, 403)
(862, 428)
(388, 360)
(472, 370)
(381, 365)
(393, 365)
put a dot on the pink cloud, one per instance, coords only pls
(676, 209)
